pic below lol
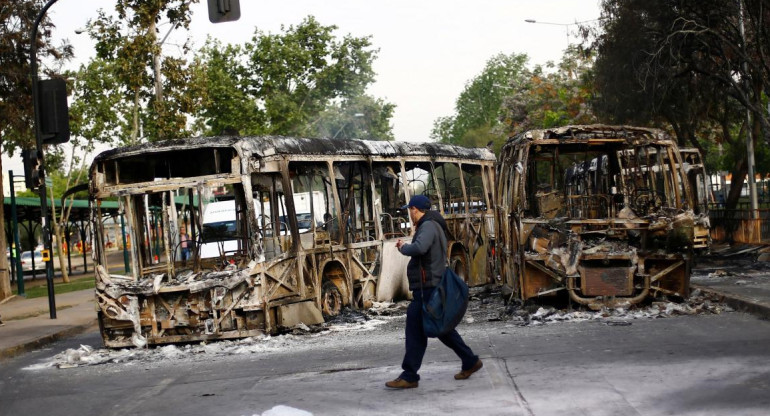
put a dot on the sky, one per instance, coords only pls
(428, 49)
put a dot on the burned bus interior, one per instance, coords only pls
(234, 237)
(603, 213)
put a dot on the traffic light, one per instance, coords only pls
(54, 112)
(33, 167)
(224, 11)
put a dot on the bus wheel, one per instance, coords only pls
(459, 265)
(331, 299)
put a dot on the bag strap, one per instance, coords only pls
(443, 242)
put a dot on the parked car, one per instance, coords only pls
(26, 261)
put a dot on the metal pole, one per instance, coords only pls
(83, 244)
(12, 259)
(68, 241)
(33, 245)
(125, 249)
(156, 227)
(749, 141)
(15, 231)
(39, 142)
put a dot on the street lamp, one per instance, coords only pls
(39, 141)
(156, 63)
(749, 142)
(565, 25)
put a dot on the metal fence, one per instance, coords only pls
(739, 225)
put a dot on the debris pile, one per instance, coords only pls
(388, 308)
(490, 307)
(301, 336)
(485, 305)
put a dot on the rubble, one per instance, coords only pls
(300, 336)
(486, 305)
(520, 314)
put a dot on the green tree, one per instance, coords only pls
(553, 96)
(477, 109)
(96, 104)
(16, 112)
(157, 99)
(362, 117)
(228, 104)
(303, 81)
(689, 66)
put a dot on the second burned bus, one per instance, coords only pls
(606, 214)
(292, 230)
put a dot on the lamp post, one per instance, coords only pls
(749, 142)
(39, 143)
(156, 62)
(565, 25)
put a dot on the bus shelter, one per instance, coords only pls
(27, 227)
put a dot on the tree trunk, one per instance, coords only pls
(135, 122)
(5, 275)
(736, 184)
(57, 235)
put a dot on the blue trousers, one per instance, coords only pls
(417, 342)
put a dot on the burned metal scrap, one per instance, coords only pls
(233, 237)
(607, 214)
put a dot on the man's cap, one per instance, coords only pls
(419, 202)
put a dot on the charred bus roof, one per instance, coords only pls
(266, 146)
(595, 133)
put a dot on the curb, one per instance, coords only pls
(8, 299)
(45, 340)
(739, 303)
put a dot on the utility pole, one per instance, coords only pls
(749, 141)
(39, 142)
(16, 253)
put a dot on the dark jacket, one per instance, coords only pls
(427, 252)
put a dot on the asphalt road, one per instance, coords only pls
(683, 365)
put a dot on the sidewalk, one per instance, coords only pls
(28, 325)
(732, 275)
(738, 275)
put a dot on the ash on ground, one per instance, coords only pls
(486, 305)
(490, 305)
(296, 338)
(742, 268)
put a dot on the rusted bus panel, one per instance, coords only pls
(669, 276)
(605, 213)
(263, 233)
(137, 313)
(601, 279)
(538, 280)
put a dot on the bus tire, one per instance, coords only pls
(459, 265)
(331, 299)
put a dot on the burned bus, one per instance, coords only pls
(605, 213)
(232, 237)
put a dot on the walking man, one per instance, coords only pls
(426, 266)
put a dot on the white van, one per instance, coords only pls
(219, 229)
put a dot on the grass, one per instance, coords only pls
(59, 288)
